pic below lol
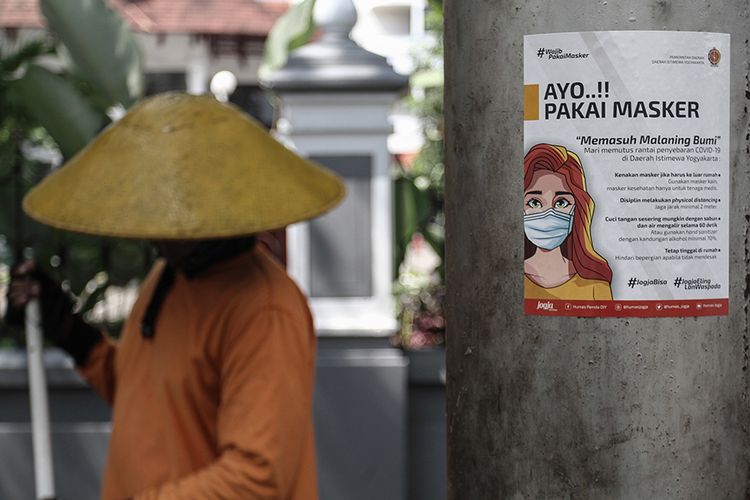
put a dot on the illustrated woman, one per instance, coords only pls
(559, 260)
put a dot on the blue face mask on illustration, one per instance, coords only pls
(548, 229)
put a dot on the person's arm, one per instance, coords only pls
(92, 353)
(99, 368)
(265, 414)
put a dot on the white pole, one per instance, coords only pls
(40, 433)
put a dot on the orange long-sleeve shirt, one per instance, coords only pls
(218, 404)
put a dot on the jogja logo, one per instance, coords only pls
(545, 306)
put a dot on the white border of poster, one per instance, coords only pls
(626, 173)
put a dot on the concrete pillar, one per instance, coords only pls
(567, 407)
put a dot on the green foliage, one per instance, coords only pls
(55, 103)
(19, 129)
(12, 115)
(99, 49)
(412, 213)
(419, 199)
(292, 30)
(44, 111)
(103, 69)
(27, 52)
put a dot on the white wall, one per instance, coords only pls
(392, 29)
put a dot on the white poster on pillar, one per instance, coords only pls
(626, 173)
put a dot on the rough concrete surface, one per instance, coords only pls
(565, 407)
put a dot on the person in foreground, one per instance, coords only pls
(211, 381)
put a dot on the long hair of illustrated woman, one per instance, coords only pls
(578, 247)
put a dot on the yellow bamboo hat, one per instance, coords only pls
(179, 166)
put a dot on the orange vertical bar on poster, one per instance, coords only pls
(531, 102)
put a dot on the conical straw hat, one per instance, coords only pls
(183, 167)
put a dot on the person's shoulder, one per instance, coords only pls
(262, 295)
(259, 281)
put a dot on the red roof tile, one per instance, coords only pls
(234, 17)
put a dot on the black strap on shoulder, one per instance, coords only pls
(205, 254)
(148, 323)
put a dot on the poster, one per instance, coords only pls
(626, 174)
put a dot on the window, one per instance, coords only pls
(340, 241)
(392, 20)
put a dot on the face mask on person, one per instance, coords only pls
(548, 229)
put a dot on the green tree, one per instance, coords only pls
(47, 116)
(419, 198)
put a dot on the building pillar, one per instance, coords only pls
(197, 76)
(335, 99)
(552, 407)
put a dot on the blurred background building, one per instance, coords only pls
(379, 409)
